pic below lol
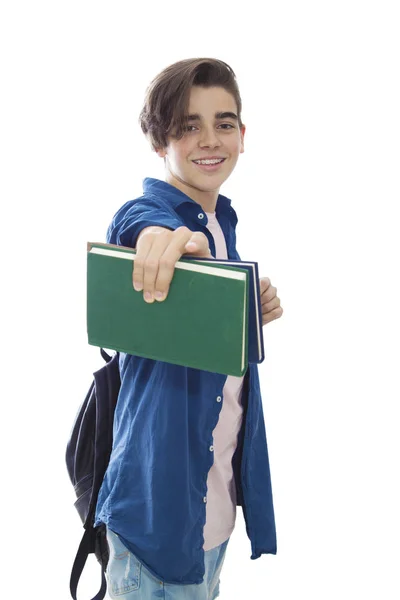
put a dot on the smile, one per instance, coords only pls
(209, 165)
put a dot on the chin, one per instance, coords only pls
(209, 183)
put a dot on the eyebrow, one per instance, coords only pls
(218, 115)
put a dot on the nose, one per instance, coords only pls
(209, 137)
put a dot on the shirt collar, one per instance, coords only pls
(177, 197)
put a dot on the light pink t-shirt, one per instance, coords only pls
(221, 494)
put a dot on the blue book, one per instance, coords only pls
(256, 353)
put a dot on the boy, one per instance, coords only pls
(189, 445)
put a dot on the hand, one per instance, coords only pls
(157, 251)
(270, 303)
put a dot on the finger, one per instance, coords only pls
(152, 265)
(142, 250)
(167, 261)
(264, 284)
(198, 245)
(271, 316)
(263, 291)
(268, 295)
(268, 306)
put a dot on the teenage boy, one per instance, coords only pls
(189, 445)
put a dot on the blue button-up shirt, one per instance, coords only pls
(155, 488)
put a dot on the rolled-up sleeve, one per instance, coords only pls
(134, 216)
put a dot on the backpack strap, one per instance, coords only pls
(85, 548)
(104, 354)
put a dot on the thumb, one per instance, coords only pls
(198, 247)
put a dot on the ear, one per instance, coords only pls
(242, 132)
(161, 152)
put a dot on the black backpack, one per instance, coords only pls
(87, 457)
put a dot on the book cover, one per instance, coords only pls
(256, 351)
(203, 322)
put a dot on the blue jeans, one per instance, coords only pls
(129, 579)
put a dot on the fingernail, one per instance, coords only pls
(138, 286)
(159, 295)
(148, 296)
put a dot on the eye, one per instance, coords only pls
(222, 125)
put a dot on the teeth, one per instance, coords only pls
(208, 162)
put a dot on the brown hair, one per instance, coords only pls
(167, 97)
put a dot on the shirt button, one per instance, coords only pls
(200, 216)
(219, 398)
(205, 499)
(211, 448)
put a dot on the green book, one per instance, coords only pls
(203, 322)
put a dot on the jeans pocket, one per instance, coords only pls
(123, 569)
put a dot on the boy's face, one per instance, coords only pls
(207, 136)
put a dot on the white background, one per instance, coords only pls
(316, 192)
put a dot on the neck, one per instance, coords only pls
(207, 200)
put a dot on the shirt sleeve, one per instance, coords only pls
(135, 215)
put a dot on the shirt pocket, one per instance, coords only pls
(123, 569)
